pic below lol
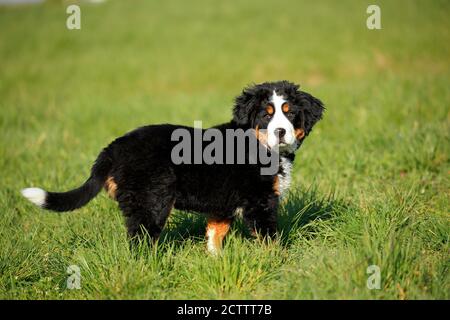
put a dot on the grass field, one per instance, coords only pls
(371, 184)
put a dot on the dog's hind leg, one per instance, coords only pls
(147, 206)
(148, 220)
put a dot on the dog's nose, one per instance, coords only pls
(280, 132)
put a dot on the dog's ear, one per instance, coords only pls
(311, 110)
(246, 106)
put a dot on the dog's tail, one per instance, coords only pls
(73, 199)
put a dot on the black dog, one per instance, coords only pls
(137, 169)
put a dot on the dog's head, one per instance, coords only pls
(281, 114)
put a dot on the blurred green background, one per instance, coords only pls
(371, 183)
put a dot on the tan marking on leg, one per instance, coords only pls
(216, 231)
(299, 133)
(276, 186)
(111, 187)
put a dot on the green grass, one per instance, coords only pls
(371, 184)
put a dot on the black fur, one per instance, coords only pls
(75, 199)
(149, 185)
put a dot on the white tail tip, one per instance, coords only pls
(35, 195)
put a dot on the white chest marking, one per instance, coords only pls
(284, 178)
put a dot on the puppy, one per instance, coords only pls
(137, 170)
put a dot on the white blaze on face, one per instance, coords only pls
(279, 121)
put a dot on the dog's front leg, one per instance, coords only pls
(216, 231)
(261, 219)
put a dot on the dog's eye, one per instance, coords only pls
(270, 109)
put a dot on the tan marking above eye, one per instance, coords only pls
(269, 109)
(299, 133)
(285, 107)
